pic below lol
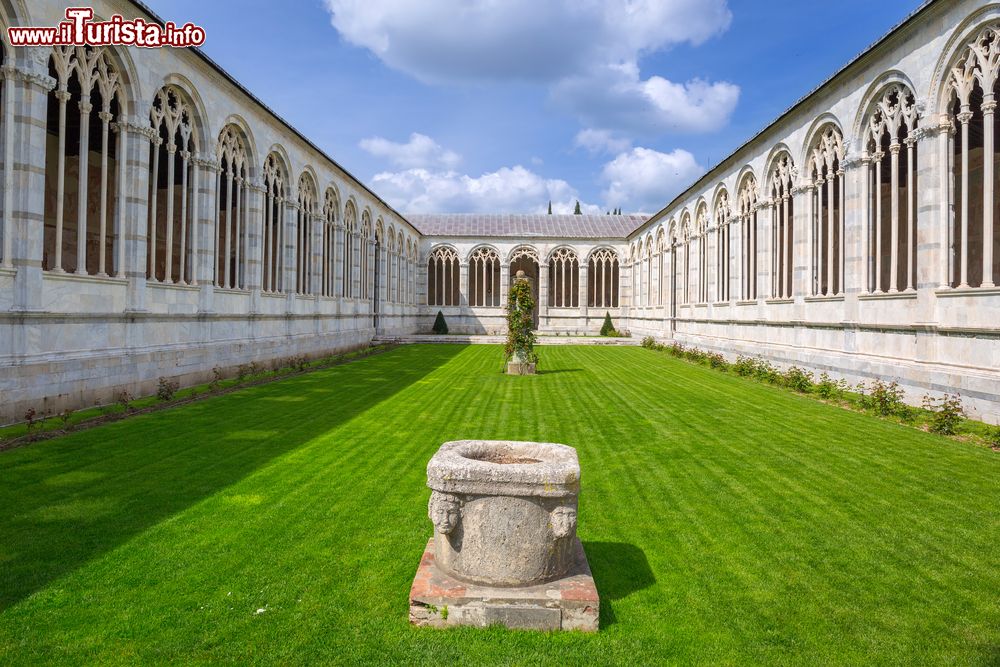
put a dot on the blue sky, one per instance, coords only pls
(474, 105)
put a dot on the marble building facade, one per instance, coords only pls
(854, 235)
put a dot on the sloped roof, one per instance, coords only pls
(541, 225)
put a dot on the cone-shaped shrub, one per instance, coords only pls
(607, 328)
(440, 326)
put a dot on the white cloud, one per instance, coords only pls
(506, 190)
(587, 51)
(451, 40)
(419, 151)
(616, 96)
(645, 180)
(601, 141)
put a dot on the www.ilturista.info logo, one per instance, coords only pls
(79, 29)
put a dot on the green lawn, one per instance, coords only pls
(726, 522)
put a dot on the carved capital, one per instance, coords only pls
(86, 107)
(964, 117)
(105, 116)
(62, 95)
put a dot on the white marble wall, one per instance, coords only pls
(69, 340)
(932, 339)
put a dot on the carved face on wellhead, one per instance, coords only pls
(444, 511)
(563, 520)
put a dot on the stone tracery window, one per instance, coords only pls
(647, 272)
(701, 227)
(686, 239)
(782, 228)
(748, 238)
(412, 264)
(975, 246)
(564, 279)
(390, 256)
(408, 278)
(172, 189)
(83, 109)
(484, 278)
(390, 268)
(827, 223)
(602, 279)
(890, 173)
(364, 285)
(232, 228)
(658, 257)
(305, 216)
(442, 277)
(399, 271)
(723, 238)
(275, 187)
(350, 242)
(328, 251)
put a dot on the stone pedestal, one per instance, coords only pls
(505, 548)
(519, 365)
(567, 603)
(520, 368)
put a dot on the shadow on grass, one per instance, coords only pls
(619, 570)
(67, 500)
(556, 371)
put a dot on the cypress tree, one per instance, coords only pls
(577, 211)
(550, 207)
(607, 328)
(440, 326)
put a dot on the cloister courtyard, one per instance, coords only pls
(726, 521)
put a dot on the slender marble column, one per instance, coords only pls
(894, 216)
(105, 116)
(964, 117)
(168, 251)
(989, 107)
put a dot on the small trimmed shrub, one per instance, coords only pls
(607, 329)
(798, 379)
(440, 326)
(763, 371)
(716, 360)
(649, 343)
(125, 399)
(30, 419)
(827, 387)
(993, 437)
(216, 384)
(883, 398)
(165, 389)
(947, 413)
(744, 366)
(64, 417)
